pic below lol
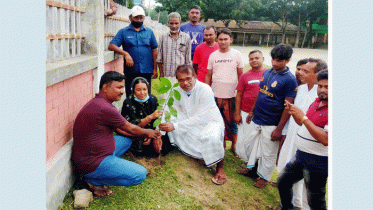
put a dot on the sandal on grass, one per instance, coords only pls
(273, 183)
(220, 179)
(100, 191)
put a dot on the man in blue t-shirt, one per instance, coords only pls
(268, 117)
(139, 49)
(194, 28)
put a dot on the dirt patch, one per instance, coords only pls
(151, 164)
(195, 180)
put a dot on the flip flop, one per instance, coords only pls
(273, 183)
(218, 181)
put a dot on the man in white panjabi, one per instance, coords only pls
(306, 95)
(198, 129)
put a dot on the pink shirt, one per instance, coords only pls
(224, 72)
(249, 85)
(201, 58)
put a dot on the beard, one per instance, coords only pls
(323, 97)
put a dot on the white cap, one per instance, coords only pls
(137, 10)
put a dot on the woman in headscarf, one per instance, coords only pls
(140, 108)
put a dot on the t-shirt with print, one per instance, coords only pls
(201, 58)
(224, 72)
(249, 85)
(273, 89)
(195, 33)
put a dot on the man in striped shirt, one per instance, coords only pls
(174, 48)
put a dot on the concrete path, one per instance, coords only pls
(298, 53)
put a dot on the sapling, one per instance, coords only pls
(167, 87)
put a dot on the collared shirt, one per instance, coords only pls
(174, 52)
(139, 44)
(318, 116)
(273, 89)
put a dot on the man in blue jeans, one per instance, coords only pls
(96, 151)
(311, 159)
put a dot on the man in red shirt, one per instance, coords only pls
(311, 159)
(247, 91)
(96, 151)
(203, 52)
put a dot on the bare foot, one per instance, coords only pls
(100, 191)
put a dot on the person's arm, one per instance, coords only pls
(161, 71)
(126, 55)
(316, 132)
(188, 55)
(149, 118)
(208, 77)
(239, 72)
(237, 115)
(277, 133)
(155, 53)
(195, 66)
(135, 130)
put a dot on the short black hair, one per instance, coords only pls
(320, 64)
(110, 76)
(282, 52)
(255, 51)
(195, 7)
(302, 62)
(185, 69)
(323, 74)
(224, 31)
(210, 27)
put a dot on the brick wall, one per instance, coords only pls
(64, 101)
(115, 65)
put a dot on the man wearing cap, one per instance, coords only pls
(139, 49)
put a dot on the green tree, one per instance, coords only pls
(307, 11)
(181, 7)
(161, 16)
(278, 11)
(123, 3)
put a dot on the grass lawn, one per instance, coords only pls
(176, 181)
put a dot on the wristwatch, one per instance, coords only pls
(303, 119)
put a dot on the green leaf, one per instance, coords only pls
(163, 89)
(166, 82)
(157, 122)
(161, 101)
(177, 95)
(159, 107)
(167, 116)
(173, 111)
(170, 102)
(176, 85)
(171, 93)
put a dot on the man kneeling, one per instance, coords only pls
(198, 130)
(96, 151)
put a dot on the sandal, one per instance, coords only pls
(221, 179)
(273, 183)
(260, 183)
